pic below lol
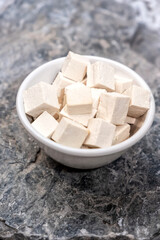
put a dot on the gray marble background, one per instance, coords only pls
(39, 198)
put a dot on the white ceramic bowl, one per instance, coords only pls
(72, 157)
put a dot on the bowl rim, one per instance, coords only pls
(86, 152)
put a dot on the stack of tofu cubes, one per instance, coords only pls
(87, 106)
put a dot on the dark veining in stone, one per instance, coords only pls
(39, 198)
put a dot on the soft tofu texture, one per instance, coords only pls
(90, 76)
(96, 92)
(101, 133)
(60, 83)
(101, 75)
(130, 120)
(75, 67)
(139, 103)
(70, 133)
(122, 84)
(39, 98)
(78, 99)
(138, 124)
(113, 107)
(82, 119)
(88, 105)
(122, 133)
(45, 124)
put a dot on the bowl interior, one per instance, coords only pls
(48, 72)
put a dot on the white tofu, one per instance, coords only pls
(78, 99)
(90, 75)
(60, 83)
(113, 107)
(138, 124)
(101, 75)
(130, 120)
(45, 124)
(75, 67)
(96, 92)
(75, 85)
(39, 98)
(101, 133)
(122, 84)
(82, 119)
(70, 133)
(122, 133)
(140, 101)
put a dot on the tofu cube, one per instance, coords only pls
(60, 83)
(122, 133)
(82, 119)
(101, 133)
(45, 124)
(101, 75)
(75, 67)
(96, 92)
(78, 99)
(90, 75)
(139, 103)
(113, 107)
(130, 120)
(39, 98)
(70, 133)
(122, 84)
(138, 124)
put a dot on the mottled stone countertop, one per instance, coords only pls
(39, 198)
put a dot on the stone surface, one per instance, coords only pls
(39, 198)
